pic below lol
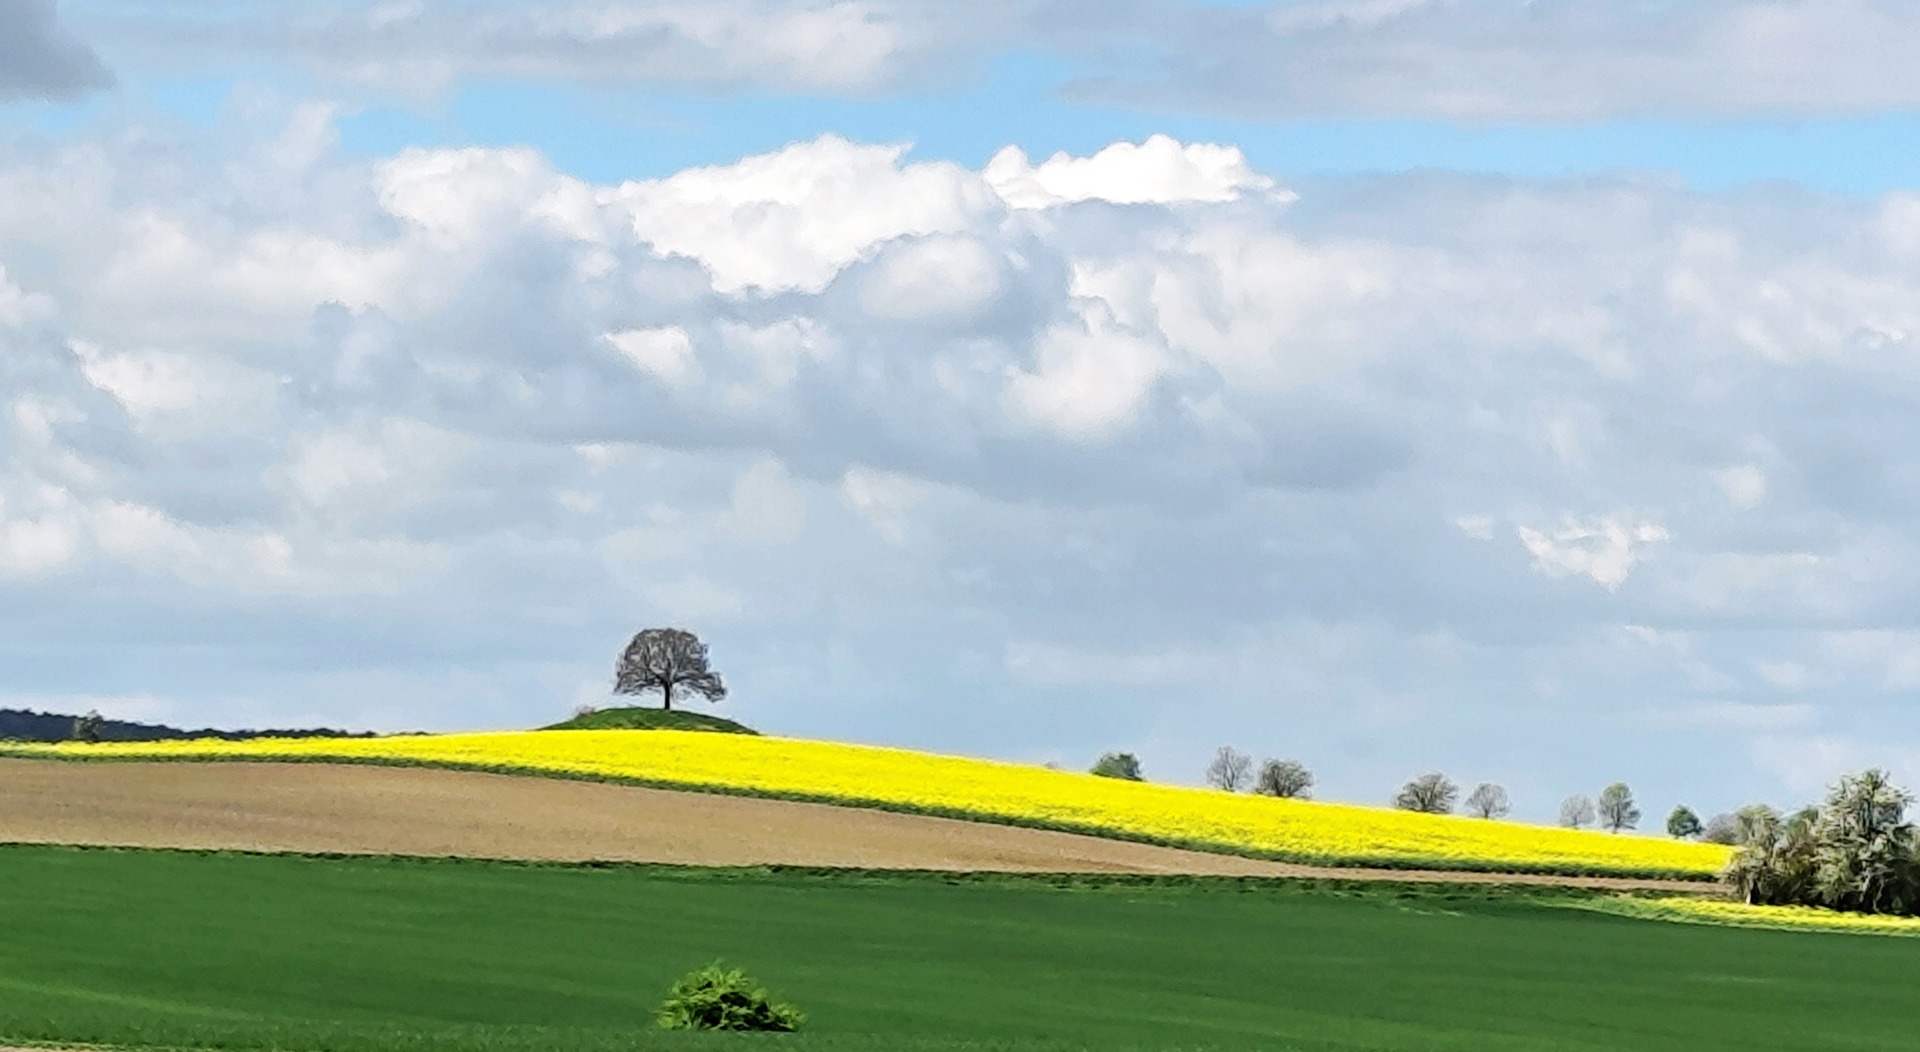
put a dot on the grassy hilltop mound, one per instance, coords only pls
(634, 718)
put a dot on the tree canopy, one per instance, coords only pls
(1231, 769)
(667, 660)
(1855, 850)
(1617, 809)
(1433, 793)
(1576, 812)
(1284, 778)
(1488, 801)
(1123, 765)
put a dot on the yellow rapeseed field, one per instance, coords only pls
(912, 781)
(1739, 914)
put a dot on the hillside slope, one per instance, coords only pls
(313, 808)
(899, 780)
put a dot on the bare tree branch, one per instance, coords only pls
(1231, 769)
(1488, 801)
(1576, 812)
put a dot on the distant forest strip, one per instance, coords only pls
(26, 725)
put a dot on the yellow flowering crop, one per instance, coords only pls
(900, 780)
(1739, 914)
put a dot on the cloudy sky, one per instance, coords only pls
(1524, 389)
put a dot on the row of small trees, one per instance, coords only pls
(1435, 793)
(1231, 770)
(1855, 850)
(1431, 793)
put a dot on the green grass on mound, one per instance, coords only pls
(250, 953)
(643, 719)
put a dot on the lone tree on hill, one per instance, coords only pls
(1288, 779)
(1231, 769)
(1576, 812)
(1683, 824)
(1617, 810)
(1488, 801)
(666, 660)
(1432, 794)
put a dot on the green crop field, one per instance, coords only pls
(374, 955)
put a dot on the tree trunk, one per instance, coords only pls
(666, 694)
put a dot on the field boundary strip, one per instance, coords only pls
(1377, 881)
(1724, 913)
(1345, 861)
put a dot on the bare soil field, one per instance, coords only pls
(329, 808)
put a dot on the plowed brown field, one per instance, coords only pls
(326, 808)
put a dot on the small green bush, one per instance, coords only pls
(1119, 765)
(720, 998)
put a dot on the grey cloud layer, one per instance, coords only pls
(1542, 60)
(844, 47)
(1545, 60)
(39, 59)
(1136, 449)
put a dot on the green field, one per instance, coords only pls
(258, 952)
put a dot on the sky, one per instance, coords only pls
(1521, 389)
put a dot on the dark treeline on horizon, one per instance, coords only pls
(30, 726)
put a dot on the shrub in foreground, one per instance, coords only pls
(720, 998)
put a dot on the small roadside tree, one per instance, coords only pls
(1617, 809)
(1488, 801)
(667, 660)
(1576, 812)
(1683, 824)
(1432, 793)
(1231, 769)
(1124, 765)
(1284, 778)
